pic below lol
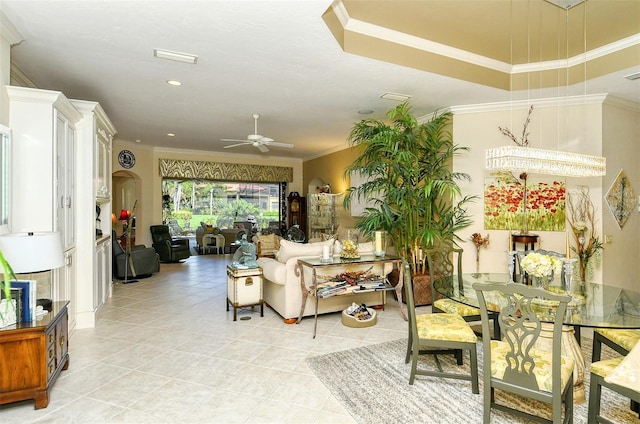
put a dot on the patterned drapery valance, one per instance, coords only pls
(219, 171)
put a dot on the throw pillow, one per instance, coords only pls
(627, 374)
(289, 249)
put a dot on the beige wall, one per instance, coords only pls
(149, 182)
(621, 146)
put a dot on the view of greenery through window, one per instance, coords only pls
(217, 203)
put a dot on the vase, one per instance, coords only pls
(540, 281)
(582, 271)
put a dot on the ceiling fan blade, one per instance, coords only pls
(276, 144)
(234, 139)
(262, 148)
(266, 139)
(235, 145)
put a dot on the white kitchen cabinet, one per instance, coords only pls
(64, 285)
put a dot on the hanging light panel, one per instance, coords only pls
(540, 161)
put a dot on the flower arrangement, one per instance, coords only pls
(478, 242)
(580, 217)
(539, 265)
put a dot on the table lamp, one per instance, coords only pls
(33, 251)
(124, 217)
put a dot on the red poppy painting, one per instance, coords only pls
(503, 204)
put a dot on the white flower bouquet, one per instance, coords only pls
(539, 265)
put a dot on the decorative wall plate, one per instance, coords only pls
(126, 159)
(621, 198)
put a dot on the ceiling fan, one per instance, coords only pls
(257, 140)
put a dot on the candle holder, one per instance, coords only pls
(380, 243)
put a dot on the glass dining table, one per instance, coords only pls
(593, 305)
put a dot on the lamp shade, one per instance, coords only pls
(124, 215)
(32, 252)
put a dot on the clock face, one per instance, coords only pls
(126, 159)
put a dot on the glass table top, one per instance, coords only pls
(593, 304)
(316, 261)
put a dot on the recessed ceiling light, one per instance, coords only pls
(174, 82)
(171, 135)
(176, 56)
(634, 76)
(137, 140)
(365, 112)
(395, 96)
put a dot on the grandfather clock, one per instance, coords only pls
(297, 215)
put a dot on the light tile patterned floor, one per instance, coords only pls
(165, 350)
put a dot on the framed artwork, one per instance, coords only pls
(621, 198)
(503, 204)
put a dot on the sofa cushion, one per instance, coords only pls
(289, 249)
(268, 242)
(273, 270)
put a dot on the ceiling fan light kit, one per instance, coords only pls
(257, 140)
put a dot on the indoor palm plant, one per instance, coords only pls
(407, 166)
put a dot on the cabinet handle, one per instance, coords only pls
(68, 201)
(248, 281)
(51, 369)
(50, 337)
(62, 340)
(50, 353)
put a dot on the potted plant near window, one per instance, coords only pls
(408, 172)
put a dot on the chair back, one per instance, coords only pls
(520, 312)
(441, 260)
(411, 304)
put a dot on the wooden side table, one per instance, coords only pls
(529, 241)
(244, 288)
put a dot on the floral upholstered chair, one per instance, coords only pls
(440, 262)
(438, 333)
(619, 374)
(515, 364)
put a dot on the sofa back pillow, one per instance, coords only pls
(289, 249)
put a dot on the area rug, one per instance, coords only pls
(372, 383)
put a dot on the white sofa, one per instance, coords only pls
(281, 286)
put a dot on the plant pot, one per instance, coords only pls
(422, 295)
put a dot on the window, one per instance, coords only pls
(219, 203)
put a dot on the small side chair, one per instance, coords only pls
(515, 365)
(442, 332)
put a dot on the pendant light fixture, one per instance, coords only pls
(514, 158)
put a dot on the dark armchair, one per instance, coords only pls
(145, 260)
(169, 249)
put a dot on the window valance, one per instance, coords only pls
(173, 168)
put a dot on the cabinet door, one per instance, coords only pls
(102, 166)
(65, 284)
(65, 181)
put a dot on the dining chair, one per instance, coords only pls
(439, 333)
(440, 263)
(514, 364)
(600, 372)
(620, 340)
